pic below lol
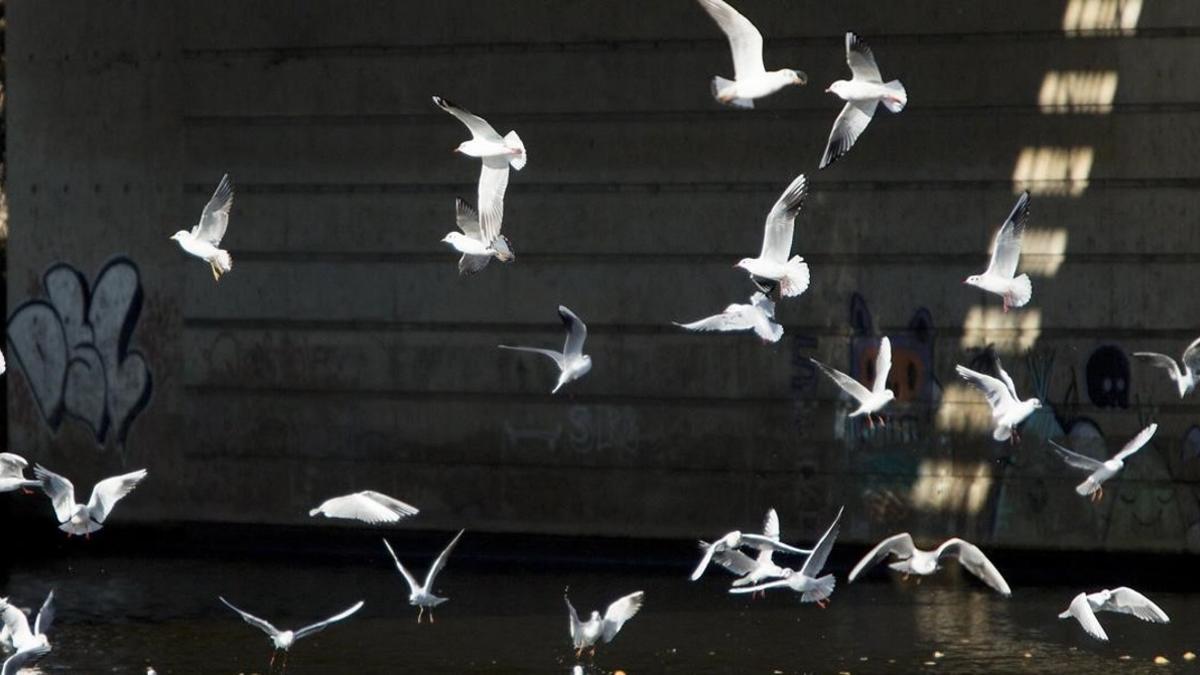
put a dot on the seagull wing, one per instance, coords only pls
(997, 393)
(109, 491)
(1006, 251)
(479, 128)
(848, 126)
(861, 60)
(14, 663)
(705, 559)
(60, 491)
(576, 332)
(576, 624)
(975, 562)
(621, 611)
(766, 543)
(1077, 460)
(1137, 442)
(1081, 609)
(771, 524)
(413, 586)
(15, 621)
(367, 506)
(1161, 361)
(1007, 380)
(215, 217)
(322, 625)
(763, 303)
(899, 545)
(848, 384)
(777, 235)
(45, 617)
(736, 562)
(745, 41)
(724, 322)
(883, 365)
(555, 356)
(761, 587)
(12, 466)
(467, 219)
(1191, 357)
(816, 560)
(1128, 601)
(261, 624)
(493, 182)
(440, 563)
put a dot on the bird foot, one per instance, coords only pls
(1098, 495)
(823, 603)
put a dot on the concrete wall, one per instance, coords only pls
(344, 352)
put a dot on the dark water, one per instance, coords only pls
(118, 614)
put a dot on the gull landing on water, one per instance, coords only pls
(772, 270)
(870, 401)
(912, 560)
(863, 93)
(1102, 471)
(205, 237)
(12, 474)
(1184, 381)
(751, 79)
(572, 362)
(28, 645)
(585, 634)
(805, 580)
(283, 640)
(1006, 253)
(1008, 410)
(758, 316)
(1123, 600)
(368, 506)
(81, 519)
(421, 595)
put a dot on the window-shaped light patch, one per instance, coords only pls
(1011, 331)
(1043, 251)
(1045, 170)
(1078, 91)
(1101, 17)
(963, 409)
(946, 486)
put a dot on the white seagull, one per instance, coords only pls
(205, 238)
(84, 519)
(481, 254)
(368, 506)
(1008, 410)
(497, 154)
(772, 265)
(572, 362)
(421, 595)
(758, 316)
(805, 581)
(1102, 471)
(1184, 381)
(752, 570)
(28, 645)
(732, 541)
(1124, 600)
(870, 401)
(751, 79)
(912, 560)
(585, 634)
(863, 92)
(283, 640)
(12, 473)
(1006, 253)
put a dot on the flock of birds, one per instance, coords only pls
(775, 273)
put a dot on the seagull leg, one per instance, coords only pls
(284, 668)
(430, 615)
(822, 603)
(882, 421)
(1098, 495)
(271, 666)
(1007, 302)
(420, 611)
(870, 422)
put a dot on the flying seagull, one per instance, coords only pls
(912, 560)
(572, 362)
(1124, 600)
(421, 595)
(12, 474)
(368, 506)
(751, 79)
(205, 237)
(1184, 381)
(1006, 253)
(1102, 471)
(585, 634)
(870, 401)
(472, 238)
(80, 518)
(805, 581)
(772, 269)
(284, 639)
(1008, 410)
(497, 155)
(752, 570)
(863, 92)
(732, 541)
(28, 645)
(758, 316)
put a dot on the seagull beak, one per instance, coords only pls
(828, 90)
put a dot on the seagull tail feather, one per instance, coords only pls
(720, 85)
(897, 98)
(795, 281)
(513, 142)
(1022, 290)
(222, 262)
(822, 590)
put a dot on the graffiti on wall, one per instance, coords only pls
(74, 348)
(1107, 376)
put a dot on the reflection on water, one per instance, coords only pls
(120, 615)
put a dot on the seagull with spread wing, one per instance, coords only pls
(1008, 410)
(732, 541)
(912, 560)
(585, 634)
(28, 645)
(758, 316)
(572, 362)
(863, 93)
(870, 401)
(772, 270)
(205, 238)
(12, 474)
(475, 253)
(421, 595)
(1006, 254)
(1122, 600)
(751, 79)
(1185, 380)
(283, 640)
(752, 570)
(805, 580)
(83, 519)
(368, 506)
(1102, 471)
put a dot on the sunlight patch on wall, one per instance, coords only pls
(1057, 171)
(1104, 17)
(963, 410)
(1011, 331)
(950, 487)
(1078, 91)
(1043, 251)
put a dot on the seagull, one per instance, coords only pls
(790, 277)
(29, 645)
(1124, 600)
(913, 560)
(1008, 410)
(732, 541)
(284, 639)
(83, 519)
(752, 570)
(421, 595)
(1006, 253)
(1185, 381)
(368, 506)
(585, 634)
(205, 237)
(751, 79)
(805, 581)
(572, 362)
(497, 155)
(1102, 471)
(12, 474)
(758, 316)
(863, 92)
(869, 401)
(3, 364)
(472, 238)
